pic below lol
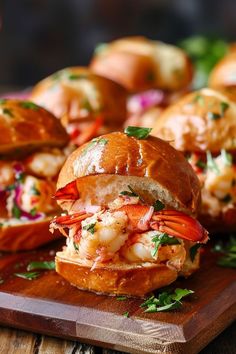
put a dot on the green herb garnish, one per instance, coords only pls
(138, 132)
(8, 112)
(77, 76)
(201, 164)
(213, 115)
(199, 99)
(34, 191)
(29, 105)
(90, 228)
(126, 314)
(16, 212)
(163, 239)
(28, 276)
(158, 205)
(223, 107)
(211, 164)
(227, 158)
(75, 246)
(33, 211)
(100, 141)
(121, 298)
(229, 253)
(20, 177)
(193, 251)
(166, 300)
(49, 265)
(87, 106)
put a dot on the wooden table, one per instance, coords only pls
(20, 342)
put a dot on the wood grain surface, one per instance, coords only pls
(49, 305)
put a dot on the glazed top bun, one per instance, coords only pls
(77, 94)
(24, 126)
(109, 164)
(200, 121)
(140, 64)
(223, 74)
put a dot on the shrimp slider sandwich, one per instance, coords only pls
(130, 200)
(30, 159)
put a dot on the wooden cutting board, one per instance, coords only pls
(49, 305)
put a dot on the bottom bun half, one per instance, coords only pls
(26, 236)
(127, 280)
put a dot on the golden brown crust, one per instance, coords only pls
(151, 158)
(138, 64)
(77, 94)
(129, 281)
(223, 75)
(189, 125)
(25, 127)
(26, 236)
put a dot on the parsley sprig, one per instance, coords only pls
(90, 228)
(44, 265)
(138, 132)
(228, 250)
(166, 300)
(163, 239)
(28, 275)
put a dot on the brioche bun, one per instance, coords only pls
(107, 165)
(76, 94)
(26, 236)
(188, 126)
(140, 64)
(25, 127)
(223, 75)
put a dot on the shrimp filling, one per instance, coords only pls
(218, 178)
(127, 231)
(27, 187)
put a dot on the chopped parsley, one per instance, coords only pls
(28, 275)
(201, 164)
(213, 115)
(34, 190)
(126, 314)
(49, 265)
(77, 76)
(75, 246)
(121, 298)
(193, 251)
(16, 212)
(33, 211)
(199, 99)
(90, 228)
(158, 205)
(29, 105)
(228, 250)
(166, 301)
(163, 239)
(223, 107)
(227, 158)
(100, 141)
(138, 132)
(211, 164)
(130, 193)
(8, 112)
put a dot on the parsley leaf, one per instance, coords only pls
(8, 112)
(193, 251)
(29, 105)
(34, 191)
(201, 164)
(126, 314)
(211, 164)
(90, 228)
(163, 239)
(50, 265)
(16, 212)
(229, 253)
(213, 115)
(166, 300)
(138, 132)
(77, 76)
(121, 298)
(33, 211)
(28, 276)
(223, 107)
(158, 205)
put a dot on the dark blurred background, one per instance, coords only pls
(39, 37)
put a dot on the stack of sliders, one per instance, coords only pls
(30, 159)
(154, 73)
(130, 201)
(87, 104)
(202, 125)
